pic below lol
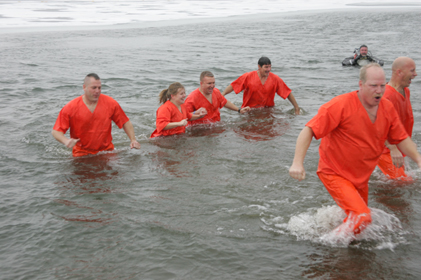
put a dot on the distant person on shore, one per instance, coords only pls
(172, 115)
(89, 119)
(210, 98)
(361, 58)
(260, 87)
(391, 162)
(353, 128)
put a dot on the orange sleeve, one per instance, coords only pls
(163, 117)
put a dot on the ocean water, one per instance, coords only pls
(216, 203)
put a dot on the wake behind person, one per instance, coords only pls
(353, 128)
(172, 115)
(89, 119)
(260, 87)
(210, 98)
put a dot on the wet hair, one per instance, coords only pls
(264, 61)
(89, 76)
(165, 94)
(206, 74)
(363, 70)
(362, 46)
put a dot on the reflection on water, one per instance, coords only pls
(343, 264)
(217, 197)
(262, 124)
(89, 175)
(393, 196)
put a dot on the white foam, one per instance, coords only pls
(318, 225)
(32, 13)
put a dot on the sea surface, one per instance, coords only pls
(217, 202)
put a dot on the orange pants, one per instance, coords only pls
(390, 170)
(352, 200)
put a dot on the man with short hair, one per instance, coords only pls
(362, 57)
(260, 87)
(89, 119)
(210, 98)
(391, 162)
(353, 128)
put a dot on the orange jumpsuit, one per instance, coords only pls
(93, 129)
(403, 107)
(167, 113)
(350, 148)
(257, 95)
(196, 100)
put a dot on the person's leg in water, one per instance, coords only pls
(352, 200)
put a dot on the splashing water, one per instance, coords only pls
(321, 226)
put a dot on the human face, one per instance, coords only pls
(179, 97)
(363, 51)
(92, 90)
(408, 73)
(264, 70)
(207, 85)
(372, 90)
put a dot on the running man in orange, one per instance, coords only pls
(209, 97)
(353, 128)
(89, 119)
(260, 87)
(391, 162)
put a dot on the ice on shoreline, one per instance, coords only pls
(65, 13)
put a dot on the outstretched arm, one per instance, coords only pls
(294, 103)
(59, 136)
(296, 170)
(231, 106)
(128, 128)
(409, 148)
(227, 90)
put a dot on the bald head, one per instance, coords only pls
(401, 62)
(403, 71)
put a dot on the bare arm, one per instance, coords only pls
(199, 113)
(294, 103)
(128, 128)
(395, 154)
(231, 106)
(296, 170)
(409, 148)
(175, 124)
(59, 136)
(227, 90)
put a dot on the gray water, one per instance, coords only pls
(216, 203)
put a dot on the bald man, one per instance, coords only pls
(391, 163)
(353, 127)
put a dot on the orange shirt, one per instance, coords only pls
(351, 144)
(167, 113)
(196, 100)
(257, 95)
(403, 107)
(93, 129)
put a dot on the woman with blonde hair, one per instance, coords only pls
(172, 115)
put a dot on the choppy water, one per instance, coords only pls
(216, 203)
